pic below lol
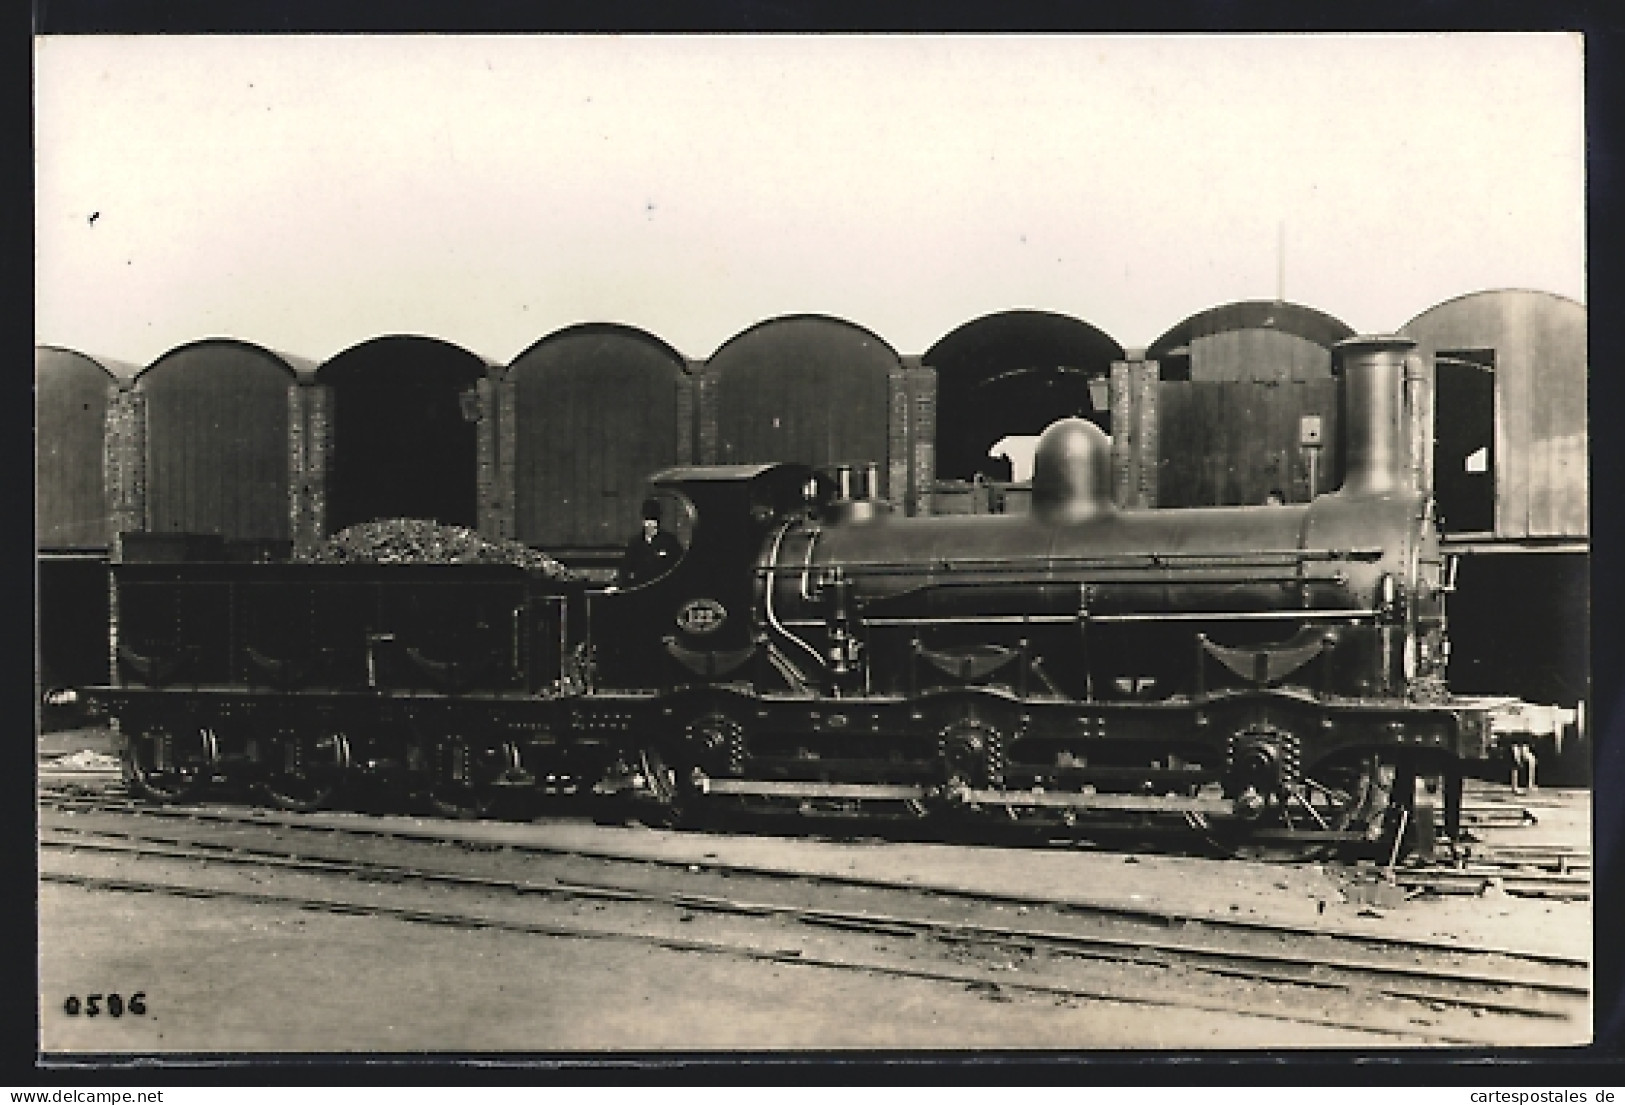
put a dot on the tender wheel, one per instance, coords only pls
(465, 779)
(305, 771)
(167, 763)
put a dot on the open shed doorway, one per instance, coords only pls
(1464, 440)
(1003, 378)
(405, 432)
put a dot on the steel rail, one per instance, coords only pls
(449, 919)
(1396, 980)
(1139, 914)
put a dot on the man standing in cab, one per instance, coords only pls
(651, 553)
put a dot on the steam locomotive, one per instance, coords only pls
(1267, 672)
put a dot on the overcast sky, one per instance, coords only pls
(309, 193)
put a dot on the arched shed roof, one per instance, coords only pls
(802, 320)
(73, 393)
(119, 371)
(217, 439)
(1533, 346)
(1012, 374)
(370, 346)
(1042, 337)
(296, 366)
(610, 330)
(1253, 314)
(1529, 299)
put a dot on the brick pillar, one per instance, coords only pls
(495, 456)
(310, 443)
(298, 510)
(485, 462)
(318, 455)
(921, 386)
(124, 465)
(507, 494)
(899, 440)
(686, 384)
(706, 389)
(1134, 387)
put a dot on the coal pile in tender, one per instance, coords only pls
(422, 541)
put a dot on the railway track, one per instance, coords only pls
(1549, 871)
(1416, 989)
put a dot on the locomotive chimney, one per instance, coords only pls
(1372, 369)
(1072, 472)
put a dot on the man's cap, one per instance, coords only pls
(651, 510)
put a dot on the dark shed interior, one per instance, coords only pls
(1014, 373)
(405, 416)
(1511, 447)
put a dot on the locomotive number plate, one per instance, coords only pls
(701, 616)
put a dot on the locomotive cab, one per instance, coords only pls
(695, 621)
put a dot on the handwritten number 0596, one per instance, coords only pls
(116, 1006)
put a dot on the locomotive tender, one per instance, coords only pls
(1276, 670)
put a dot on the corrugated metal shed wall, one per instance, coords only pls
(598, 411)
(1258, 355)
(1228, 443)
(71, 397)
(807, 388)
(1539, 343)
(1236, 380)
(217, 441)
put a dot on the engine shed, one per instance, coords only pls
(1509, 470)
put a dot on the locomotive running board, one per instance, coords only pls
(1150, 803)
